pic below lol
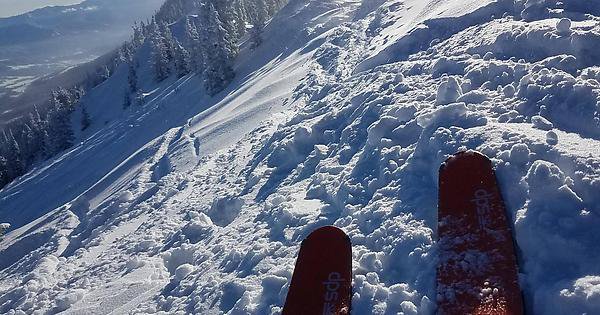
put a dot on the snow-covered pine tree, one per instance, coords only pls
(274, 5)
(217, 46)
(255, 35)
(28, 145)
(132, 79)
(59, 134)
(192, 40)
(12, 152)
(138, 35)
(4, 179)
(139, 99)
(126, 99)
(229, 19)
(160, 60)
(85, 118)
(212, 59)
(125, 53)
(161, 54)
(258, 19)
(103, 73)
(173, 10)
(182, 60)
(261, 13)
(39, 133)
(169, 40)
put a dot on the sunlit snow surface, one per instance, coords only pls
(343, 116)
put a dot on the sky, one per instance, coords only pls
(16, 7)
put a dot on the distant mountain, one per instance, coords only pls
(18, 34)
(18, 7)
(52, 39)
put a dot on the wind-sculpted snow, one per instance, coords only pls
(207, 216)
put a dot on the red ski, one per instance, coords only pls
(477, 272)
(322, 278)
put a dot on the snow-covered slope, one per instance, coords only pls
(193, 204)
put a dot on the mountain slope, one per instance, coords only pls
(41, 50)
(193, 204)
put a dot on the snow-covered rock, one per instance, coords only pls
(551, 138)
(448, 92)
(563, 26)
(183, 271)
(65, 301)
(542, 123)
(3, 228)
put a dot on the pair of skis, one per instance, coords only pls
(477, 270)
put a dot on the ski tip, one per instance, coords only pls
(467, 156)
(328, 231)
(322, 278)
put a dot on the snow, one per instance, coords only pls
(65, 301)
(448, 92)
(542, 123)
(183, 271)
(563, 27)
(342, 116)
(551, 138)
(4, 227)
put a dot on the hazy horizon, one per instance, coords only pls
(15, 7)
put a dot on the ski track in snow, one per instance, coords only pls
(343, 116)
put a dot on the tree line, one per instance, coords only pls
(40, 136)
(208, 47)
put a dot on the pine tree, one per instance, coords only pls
(125, 53)
(161, 63)
(228, 18)
(59, 134)
(192, 40)
(14, 162)
(103, 73)
(161, 55)
(138, 35)
(28, 144)
(126, 99)
(182, 60)
(38, 130)
(256, 35)
(216, 44)
(4, 179)
(261, 13)
(132, 78)
(168, 40)
(3, 226)
(85, 118)
(139, 99)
